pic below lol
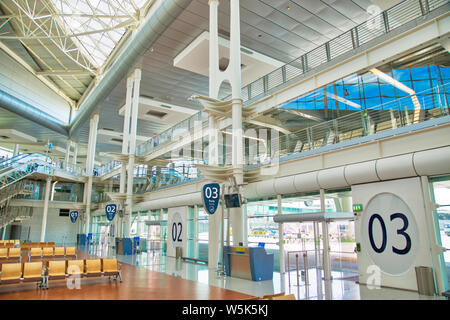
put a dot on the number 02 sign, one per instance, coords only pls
(390, 233)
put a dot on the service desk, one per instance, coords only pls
(252, 263)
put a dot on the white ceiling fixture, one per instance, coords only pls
(195, 58)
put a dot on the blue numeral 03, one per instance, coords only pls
(403, 233)
(383, 230)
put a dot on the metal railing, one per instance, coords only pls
(369, 30)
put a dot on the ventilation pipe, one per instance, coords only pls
(17, 106)
(146, 35)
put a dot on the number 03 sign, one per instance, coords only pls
(211, 197)
(390, 236)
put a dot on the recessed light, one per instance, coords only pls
(259, 35)
(289, 8)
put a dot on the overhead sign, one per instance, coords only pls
(73, 216)
(211, 196)
(110, 210)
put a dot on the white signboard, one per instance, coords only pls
(392, 231)
(176, 230)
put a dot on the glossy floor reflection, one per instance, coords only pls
(344, 285)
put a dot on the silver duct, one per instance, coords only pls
(148, 33)
(29, 112)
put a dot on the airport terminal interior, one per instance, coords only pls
(225, 149)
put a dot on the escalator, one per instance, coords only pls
(23, 165)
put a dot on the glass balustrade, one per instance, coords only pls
(358, 36)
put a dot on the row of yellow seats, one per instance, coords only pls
(83, 268)
(51, 252)
(29, 245)
(10, 253)
(9, 243)
(277, 296)
(60, 269)
(17, 272)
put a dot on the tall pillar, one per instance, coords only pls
(237, 217)
(4, 232)
(75, 153)
(90, 167)
(16, 150)
(45, 211)
(214, 221)
(132, 151)
(326, 252)
(125, 143)
(280, 235)
(67, 155)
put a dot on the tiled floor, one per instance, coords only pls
(343, 287)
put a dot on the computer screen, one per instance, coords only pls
(233, 200)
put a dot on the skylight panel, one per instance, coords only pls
(94, 23)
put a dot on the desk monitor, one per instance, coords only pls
(233, 200)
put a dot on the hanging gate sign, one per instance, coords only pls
(73, 216)
(110, 210)
(211, 196)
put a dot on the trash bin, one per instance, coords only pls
(178, 252)
(425, 281)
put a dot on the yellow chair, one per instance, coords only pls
(75, 267)
(51, 244)
(10, 273)
(15, 253)
(33, 245)
(24, 246)
(2, 243)
(32, 271)
(34, 253)
(110, 267)
(270, 296)
(47, 252)
(288, 297)
(42, 244)
(59, 251)
(93, 267)
(9, 245)
(56, 270)
(3, 253)
(70, 251)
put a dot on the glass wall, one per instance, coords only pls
(441, 195)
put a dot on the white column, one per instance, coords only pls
(45, 210)
(16, 150)
(132, 150)
(237, 218)
(280, 235)
(125, 143)
(4, 231)
(90, 167)
(214, 221)
(326, 252)
(67, 155)
(75, 153)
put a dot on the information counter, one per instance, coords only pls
(252, 263)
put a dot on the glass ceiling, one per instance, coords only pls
(97, 26)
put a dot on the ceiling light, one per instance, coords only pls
(289, 8)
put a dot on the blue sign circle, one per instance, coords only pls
(73, 216)
(211, 197)
(110, 210)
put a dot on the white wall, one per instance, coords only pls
(20, 83)
(57, 227)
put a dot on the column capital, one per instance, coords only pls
(137, 74)
(213, 1)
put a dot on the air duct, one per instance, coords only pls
(31, 113)
(146, 35)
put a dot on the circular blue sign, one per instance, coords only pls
(211, 197)
(73, 216)
(110, 210)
